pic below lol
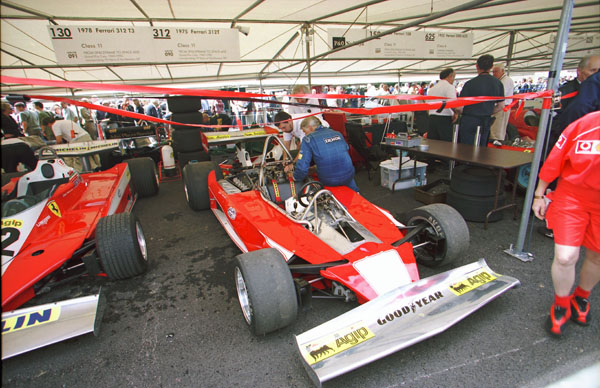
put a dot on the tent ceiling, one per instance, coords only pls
(274, 50)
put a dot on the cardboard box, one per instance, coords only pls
(434, 192)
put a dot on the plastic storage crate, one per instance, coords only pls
(390, 173)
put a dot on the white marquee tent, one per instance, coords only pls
(284, 42)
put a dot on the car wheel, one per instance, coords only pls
(121, 246)
(266, 290)
(185, 157)
(144, 176)
(187, 139)
(195, 183)
(474, 180)
(475, 208)
(445, 237)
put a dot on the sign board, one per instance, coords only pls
(82, 45)
(402, 44)
(585, 44)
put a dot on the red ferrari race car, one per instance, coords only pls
(58, 225)
(332, 242)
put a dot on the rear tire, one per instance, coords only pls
(446, 231)
(121, 246)
(144, 176)
(474, 208)
(195, 183)
(266, 290)
(473, 180)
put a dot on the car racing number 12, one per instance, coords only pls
(10, 234)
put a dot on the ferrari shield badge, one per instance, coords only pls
(53, 206)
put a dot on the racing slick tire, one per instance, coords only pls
(446, 233)
(474, 180)
(199, 156)
(195, 183)
(144, 176)
(187, 139)
(121, 246)
(265, 290)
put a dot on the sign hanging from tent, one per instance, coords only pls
(85, 45)
(402, 44)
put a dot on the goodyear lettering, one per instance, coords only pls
(335, 343)
(472, 282)
(11, 222)
(32, 319)
(404, 310)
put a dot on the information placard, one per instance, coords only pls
(402, 44)
(75, 45)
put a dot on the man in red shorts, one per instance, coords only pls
(574, 216)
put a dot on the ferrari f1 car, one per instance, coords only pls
(332, 242)
(58, 225)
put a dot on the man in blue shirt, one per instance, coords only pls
(329, 151)
(480, 115)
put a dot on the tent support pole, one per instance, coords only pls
(558, 55)
(307, 39)
(509, 55)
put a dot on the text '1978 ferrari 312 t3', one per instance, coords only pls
(300, 239)
(58, 224)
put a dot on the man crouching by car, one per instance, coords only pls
(328, 149)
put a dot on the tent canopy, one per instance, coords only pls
(274, 36)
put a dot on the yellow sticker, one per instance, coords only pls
(25, 321)
(299, 156)
(53, 206)
(480, 278)
(254, 133)
(218, 136)
(335, 343)
(12, 223)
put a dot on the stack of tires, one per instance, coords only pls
(187, 140)
(472, 192)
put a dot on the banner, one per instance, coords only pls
(402, 44)
(85, 45)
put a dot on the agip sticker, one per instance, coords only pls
(478, 279)
(335, 343)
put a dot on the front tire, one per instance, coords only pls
(445, 237)
(195, 183)
(266, 290)
(144, 176)
(121, 246)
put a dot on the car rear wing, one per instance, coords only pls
(398, 319)
(34, 327)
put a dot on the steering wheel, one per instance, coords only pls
(45, 156)
(308, 190)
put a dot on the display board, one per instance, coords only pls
(81, 45)
(579, 45)
(402, 44)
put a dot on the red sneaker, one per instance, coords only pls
(557, 320)
(580, 310)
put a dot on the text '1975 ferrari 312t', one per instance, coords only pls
(300, 239)
(58, 224)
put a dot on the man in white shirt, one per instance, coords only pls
(67, 131)
(440, 120)
(498, 128)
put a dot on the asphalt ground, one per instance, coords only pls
(180, 325)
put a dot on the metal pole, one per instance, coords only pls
(560, 47)
(307, 38)
(511, 43)
(477, 136)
